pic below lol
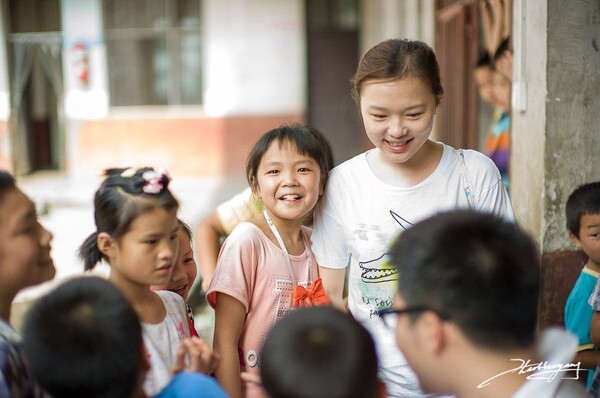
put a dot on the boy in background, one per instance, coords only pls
(583, 222)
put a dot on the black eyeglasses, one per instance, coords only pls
(385, 314)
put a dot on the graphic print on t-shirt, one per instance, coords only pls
(378, 278)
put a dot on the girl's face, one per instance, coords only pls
(288, 182)
(25, 258)
(398, 116)
(146, 254)
(185, 270)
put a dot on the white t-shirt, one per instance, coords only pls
(161, 341)
(357, 219)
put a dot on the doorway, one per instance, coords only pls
(36, 86)
(333, 53)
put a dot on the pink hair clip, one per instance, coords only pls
(153, 181)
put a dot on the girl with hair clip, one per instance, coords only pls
(25, 260)
(136, 221)
(405, 178)
(266, 267)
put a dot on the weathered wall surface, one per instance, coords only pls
(555, 131)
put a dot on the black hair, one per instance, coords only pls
(502, 47)
(319, 352)
(7, 181)
(307, 140)
(475, 269)
(124, 195)
(185, 228)
(585, 199)
(484, 60)
(83, 339)
(395, 59)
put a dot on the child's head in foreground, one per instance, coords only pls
(83, 339)
(319, 352)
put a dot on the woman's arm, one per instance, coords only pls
(229, 320)
(333, 282)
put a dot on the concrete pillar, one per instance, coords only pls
(388, 19)
(555, 143)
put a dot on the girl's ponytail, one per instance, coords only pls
(89, 252)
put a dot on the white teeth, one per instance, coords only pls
(290, 197)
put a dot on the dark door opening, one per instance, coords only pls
(333, 53)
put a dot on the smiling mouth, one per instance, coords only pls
(290, 197)
(180, 290)
(398, 144)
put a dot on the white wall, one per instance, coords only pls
(254, 57)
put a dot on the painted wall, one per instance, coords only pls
(254, 57)
(555, 131)
(556, 139)
(255, 77)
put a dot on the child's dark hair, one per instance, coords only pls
(475, 269)
(395, 59)
(307, 140)
(124, 195)
(319, 352)
(7, 181)
(502, 47)
(185, 228)
(484, 60)
(83, 339)
(585, 199)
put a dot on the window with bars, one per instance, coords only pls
(153, 52)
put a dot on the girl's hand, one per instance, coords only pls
(194, 355)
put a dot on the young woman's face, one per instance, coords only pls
(25, 258)
(398, 116)
(288, 182)
(146, 253)
(185, 270)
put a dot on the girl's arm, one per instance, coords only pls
(333, 282)
(229, 320)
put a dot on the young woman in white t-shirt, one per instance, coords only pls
(372, 197)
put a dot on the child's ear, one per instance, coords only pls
(105, 244)
(254, 187)
(575, 240)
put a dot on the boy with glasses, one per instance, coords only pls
(466, 311)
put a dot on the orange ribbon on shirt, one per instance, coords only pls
(313, 295)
